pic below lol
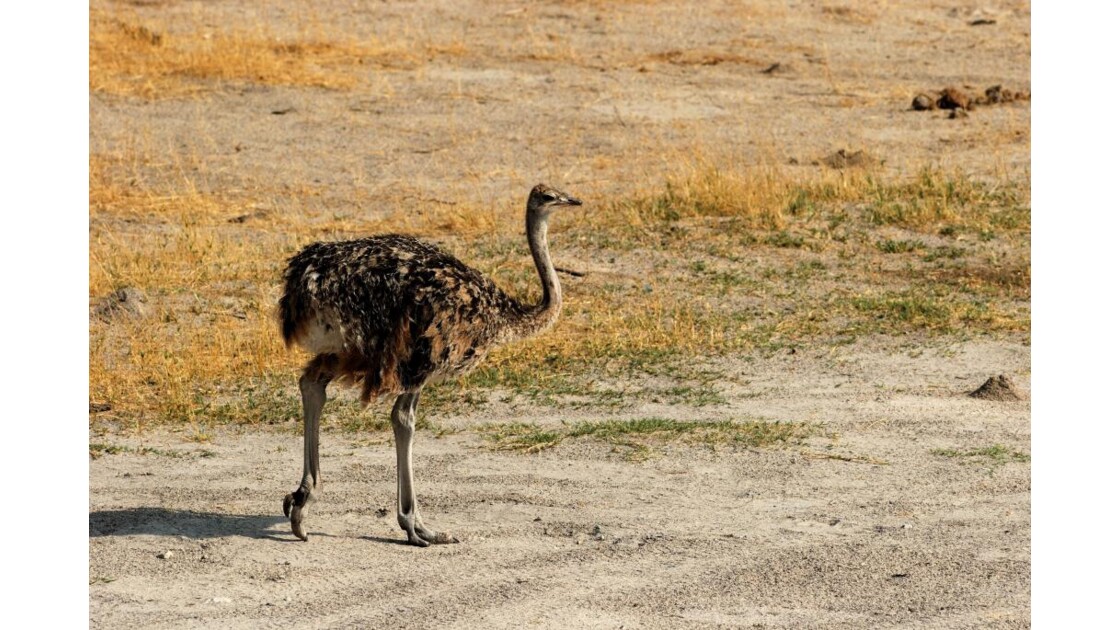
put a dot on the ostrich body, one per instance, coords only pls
(392, 314)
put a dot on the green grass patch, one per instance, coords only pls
(898, 247)
(96, 450)
(940, 252)
(932, 309)
(637, 435)
(998, 454)
(786, 240)
(520, 436)
(566, 384)
(937, 198)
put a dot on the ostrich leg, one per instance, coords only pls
(313, 388)
(408, 516)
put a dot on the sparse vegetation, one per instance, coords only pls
(638, 434)
(997, 454)
(898, 247)
(98, 449)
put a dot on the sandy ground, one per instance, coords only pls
(579, 537)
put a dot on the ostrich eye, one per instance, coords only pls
(549, 197)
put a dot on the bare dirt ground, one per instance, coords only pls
(910, 504)
(892, 536)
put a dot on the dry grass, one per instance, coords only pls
(769, 197)
(694, 57)
(134, 57)
(210, 332)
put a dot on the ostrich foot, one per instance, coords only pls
(295, 508)
(422, 536)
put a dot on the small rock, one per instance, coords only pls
(996, 94)
(165, 555)
(382, 512)
(906, 526)
(221, 600)
(537, 520)
(952, 98)
(99, 407)
(922, 102)
(999, 388)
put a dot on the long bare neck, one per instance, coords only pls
(544, 314)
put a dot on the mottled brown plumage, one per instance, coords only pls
(393, 313)
(404, 311)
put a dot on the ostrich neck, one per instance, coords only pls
(544, 314)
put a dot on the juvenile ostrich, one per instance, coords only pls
(393, 314)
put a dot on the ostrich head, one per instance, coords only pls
(543, 199)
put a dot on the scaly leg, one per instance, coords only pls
(313, 388)
(408, 516)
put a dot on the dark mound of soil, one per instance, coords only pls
(959, 99)
(850, 159)
(952, 98)
(127, 302)
(998, 388)
(997, 94)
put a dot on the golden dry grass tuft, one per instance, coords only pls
(130, 56)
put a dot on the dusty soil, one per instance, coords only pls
(883, 520)
(868, 528)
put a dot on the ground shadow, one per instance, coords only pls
(165, 522)
(387, 541)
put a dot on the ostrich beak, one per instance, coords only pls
(572, 201)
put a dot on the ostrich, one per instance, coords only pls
(393, 314)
